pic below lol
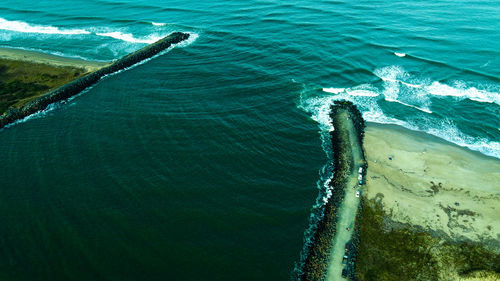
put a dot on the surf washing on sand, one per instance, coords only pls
(416, 95)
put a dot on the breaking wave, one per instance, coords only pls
(406, 100)
(129, 37)
(24, 27)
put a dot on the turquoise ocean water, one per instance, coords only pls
(204, 163)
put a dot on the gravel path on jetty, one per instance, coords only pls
(349, 206)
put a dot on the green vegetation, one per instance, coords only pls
(21, 81)
(394, 251)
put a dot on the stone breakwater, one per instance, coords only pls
(80, 84)
(316, 262)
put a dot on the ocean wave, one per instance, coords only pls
(414, 93)
(447, 129)
(129, 37)
(319, 108)
(426, 110)
(192, 37)
(351, 92)
(461, 91)
(395, 76)
(118, 34)
(400, 54)
(24, 27)
(334, 90)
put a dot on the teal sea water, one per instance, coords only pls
(204, 163)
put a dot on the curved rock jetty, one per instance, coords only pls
(78, 85)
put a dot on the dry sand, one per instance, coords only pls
(434, 184)
(37, 57)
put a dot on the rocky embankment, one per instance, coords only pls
(78, 85)
(317, 260)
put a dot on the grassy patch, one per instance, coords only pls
(21, 81)
(406, 253)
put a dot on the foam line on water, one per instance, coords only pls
(448, 130)
(117, 34)
(24, 27)
(319, 109)
(129, 37)
(461, 91)
(411, 91)
(409, 105)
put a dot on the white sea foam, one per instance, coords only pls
(333, 90)
(461, 91)
(120, 34)
(351, 92)
(426, 110)
(413, 92)
(20, 26)
(129, 37)
(400, 54)
(5, 37)
(402, 82)
(447, 130)
(192, 37)
(361, 93)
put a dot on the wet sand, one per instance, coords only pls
(424, 181)
(38, 57)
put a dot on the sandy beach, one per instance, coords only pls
(38, 57)
(424, 181)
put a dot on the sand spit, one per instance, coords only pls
(426, 182)
(429, 210)
(38, 57)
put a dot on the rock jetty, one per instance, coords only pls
(316, 263)
(80, 84)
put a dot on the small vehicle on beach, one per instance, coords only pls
(357, 193)
(344, 259)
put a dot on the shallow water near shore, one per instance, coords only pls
(206, 161)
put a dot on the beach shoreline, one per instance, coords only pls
(455, 189)
(429, 209)
(44, 58)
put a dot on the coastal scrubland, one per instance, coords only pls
(21, 81)
(26, 75)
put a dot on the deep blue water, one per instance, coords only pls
(203, 163)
